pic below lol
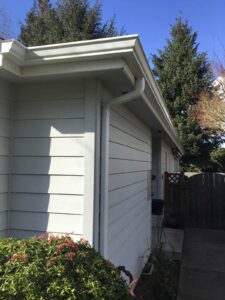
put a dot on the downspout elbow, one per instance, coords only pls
(136, 93)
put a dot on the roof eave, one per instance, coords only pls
(108, 53)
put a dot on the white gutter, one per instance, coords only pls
(137, 92)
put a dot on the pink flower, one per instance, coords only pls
(68, 244)
(70, 256)
(49, 264)
(83, 241)
(43, 236)
(52, 237)
(22, 256)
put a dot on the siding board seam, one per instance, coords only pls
(129, 159)
(48, 100)
(49, 156)
(120, 129)
(48, 119)
(49, 175)
(128, 146)
(127, 185)
(39, 193)
(128, 211)
(125, 199)
(45, 212)
(50, 138)
(128, 120)
(33, 230)
(120, 246)
(128, 172)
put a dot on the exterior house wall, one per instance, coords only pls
(48, 163)
(168, 163)
(50, 139)
(5, 128)
(129, 227)
(156, 168)
(163, 161)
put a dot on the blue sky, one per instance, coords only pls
(152, 19)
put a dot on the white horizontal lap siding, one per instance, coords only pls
(129, 227)
(5, 129)
(48, 149)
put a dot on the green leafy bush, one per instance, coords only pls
(56, 268)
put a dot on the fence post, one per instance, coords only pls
(166, 198)
(182, 198)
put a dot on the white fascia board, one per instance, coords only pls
(6, 65)
(67, 58)
(66, 52)
(14, 51)
(84, 50)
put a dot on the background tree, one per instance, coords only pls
(209, 112)
(4, 23)
(218, 158)
(183, 73)
(41, 26)
(68, 20)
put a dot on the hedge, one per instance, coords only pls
(57, 268)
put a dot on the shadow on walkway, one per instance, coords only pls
(202, 275)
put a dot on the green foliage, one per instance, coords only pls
(41, 25)
(183, 73)
(5, 23)
(55, 269)
(67, 21)
(164, 280)
(218, 158)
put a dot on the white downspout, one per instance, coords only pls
(137, 92)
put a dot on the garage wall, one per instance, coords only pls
(48, 159)
(5, 128)
(129, 225)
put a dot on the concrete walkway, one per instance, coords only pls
(202, 275)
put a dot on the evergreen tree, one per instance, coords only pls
(67, 21)
(183, 73)
(5, 24)
(41, 25)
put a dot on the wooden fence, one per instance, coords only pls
(195, 200)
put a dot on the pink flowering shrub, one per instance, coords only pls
(57, 268)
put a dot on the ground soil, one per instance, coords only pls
(144, 289)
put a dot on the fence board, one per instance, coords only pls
(195, 200)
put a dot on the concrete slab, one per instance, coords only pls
(201, 237)
(171, 240)
(202, 275)
(201, 285)
(206, 258)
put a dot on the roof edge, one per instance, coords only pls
(143, 62)
(106, 48)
